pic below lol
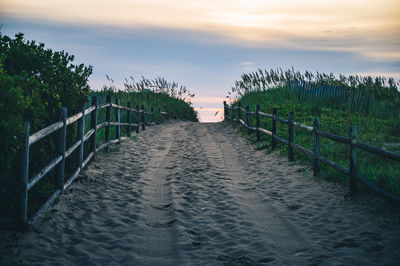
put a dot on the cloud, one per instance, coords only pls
(203, 51)
(370, 28)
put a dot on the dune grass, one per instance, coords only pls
(375, 131)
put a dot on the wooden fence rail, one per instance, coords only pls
(234, 114)
(63, 152)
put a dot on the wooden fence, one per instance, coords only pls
(63, 152)
(236, 113)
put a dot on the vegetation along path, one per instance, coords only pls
(197, 194)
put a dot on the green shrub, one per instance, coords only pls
(34, 83)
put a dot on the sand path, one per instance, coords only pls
(197, 194)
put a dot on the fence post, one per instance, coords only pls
(248, 119)
(137, 118)
(23, 197)
(118, 118)
(258, 122)
(143, 118)
(291, 135)
(316, 146)
(353, 158)
(152, 114)
(108, 119)
(93, 124)
(146, 119)
(239, 112)
(128, 120)
(225, 110)
(275, 114)
(81, 134)
(61, 149)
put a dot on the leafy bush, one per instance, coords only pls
(58, 81)
(34, 83)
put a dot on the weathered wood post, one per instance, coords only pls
(81, 135)
(143, 118)
(118, 118)
(137, 118)
(316, 147)
(239, 112)
(258, 122)
(153, 117)
(248, 119)
(146, 119)
(108, 119)
(93, 124)
(61, 149)
(128, 120)
(225, 111)
(274, 116)
(291, 135)
(23, 197)
(353, 158)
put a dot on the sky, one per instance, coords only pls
(206, 45)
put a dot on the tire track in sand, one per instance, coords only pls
(278, 235)
(156, 234)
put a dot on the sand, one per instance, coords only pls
(197, 194)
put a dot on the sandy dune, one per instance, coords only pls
(198, 194)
